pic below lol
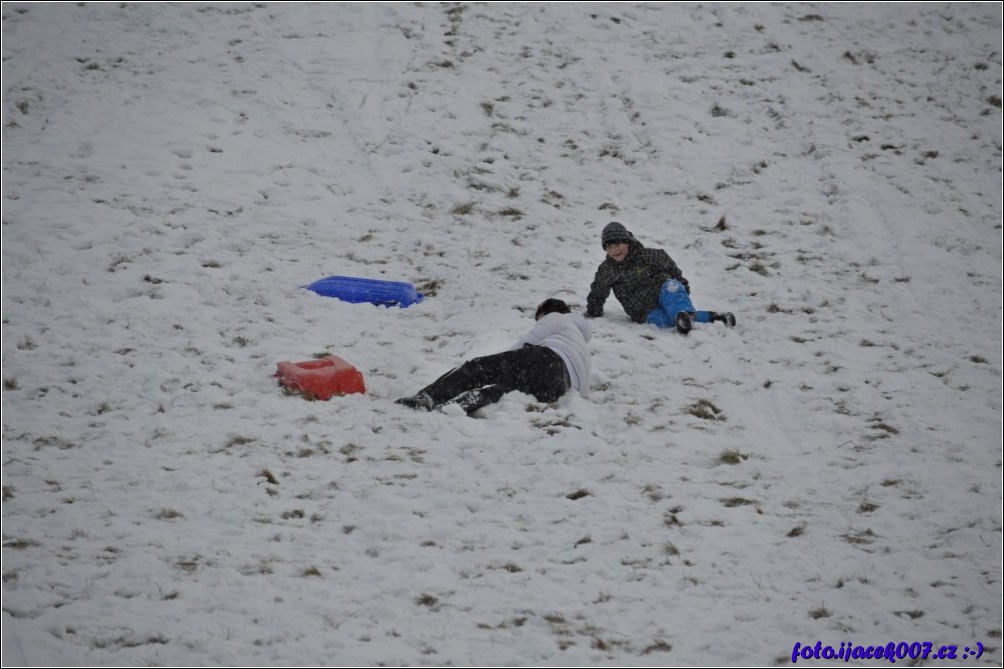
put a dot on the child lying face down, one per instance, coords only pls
(550, 359)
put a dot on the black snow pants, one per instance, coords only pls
(534, 370)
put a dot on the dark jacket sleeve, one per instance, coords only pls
(669, 266)
(599, 291)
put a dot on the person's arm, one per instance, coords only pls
(669, 266)
(599, 291)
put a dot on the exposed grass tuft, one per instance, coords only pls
(862, 537)
(731, 456)
(705, 410)
(912, 615)
(426, 600)
(796, 531)
(513, 213)
(820, 612)
(463, 209)
(189, 566)
(731, 502)
(657, 647)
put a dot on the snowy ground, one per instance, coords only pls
(829, 470)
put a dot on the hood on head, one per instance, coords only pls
(615, 232)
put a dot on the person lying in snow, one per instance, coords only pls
(551, 358)
(647, 283)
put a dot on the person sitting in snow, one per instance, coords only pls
(647, 283)
(546, 362)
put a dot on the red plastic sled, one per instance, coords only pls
(321, 379)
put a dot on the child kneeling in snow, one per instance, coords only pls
(550, 359)
(647, 283)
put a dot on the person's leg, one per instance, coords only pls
(728, 318)
(659, 318)
(476, 373)
(472, 400)
(673, 299)
(454, 382)
(535, 370)
(542, 374)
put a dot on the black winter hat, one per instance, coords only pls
(615, 232)
(551, 305)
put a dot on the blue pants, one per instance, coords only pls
(673, 299)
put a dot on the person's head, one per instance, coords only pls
(616, 241)
(550, 306)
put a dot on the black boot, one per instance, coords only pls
(727, 318)
(420, 401)
(684, 322)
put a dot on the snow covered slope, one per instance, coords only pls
(829, 470)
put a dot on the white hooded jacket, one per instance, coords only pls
(567, 335)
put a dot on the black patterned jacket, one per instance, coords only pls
(635, 281)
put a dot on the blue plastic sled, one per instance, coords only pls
(374, 291)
